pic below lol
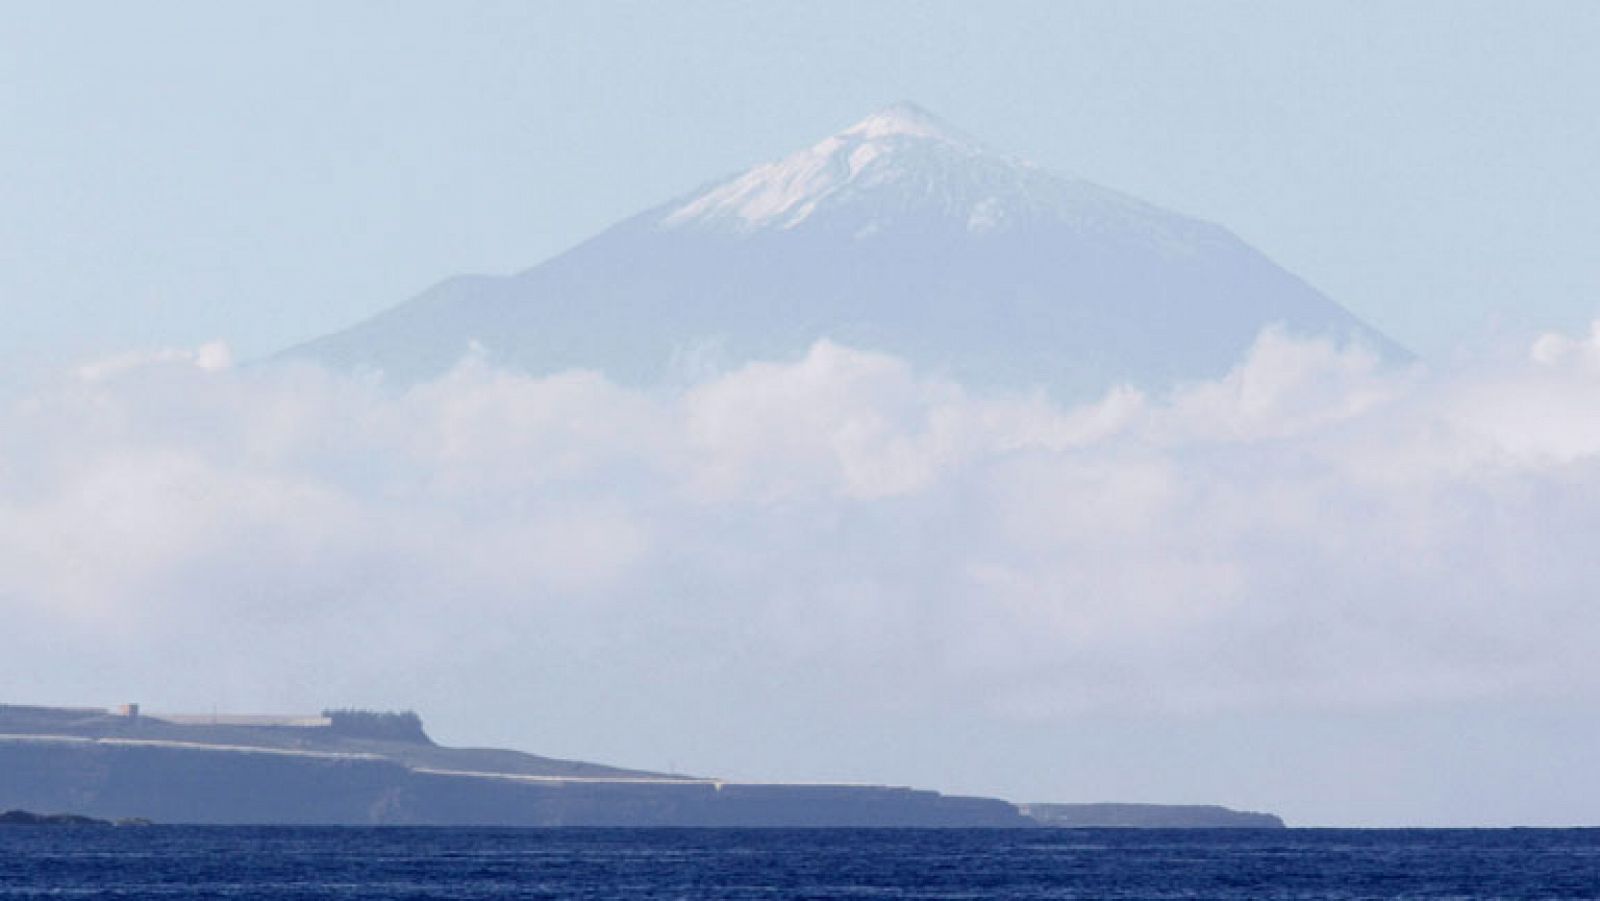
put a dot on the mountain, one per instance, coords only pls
(898, 234)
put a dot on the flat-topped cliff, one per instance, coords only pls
(1148, 816)
(370, 768)
(366, 767)
(29, 818)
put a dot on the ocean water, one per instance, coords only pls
(371, 863)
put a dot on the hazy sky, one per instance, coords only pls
(263, 173)
(1346, 593)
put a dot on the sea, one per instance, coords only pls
(393, 862)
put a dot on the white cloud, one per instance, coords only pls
(210, 357)
(1309, 532)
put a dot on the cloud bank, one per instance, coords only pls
(1311, 532)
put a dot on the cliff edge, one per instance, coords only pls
(353, 767)
(1147, 816)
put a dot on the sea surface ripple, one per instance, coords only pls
(415, 863)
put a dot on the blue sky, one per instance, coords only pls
(182, 172)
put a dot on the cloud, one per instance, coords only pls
(1310, 532)
(210, 357)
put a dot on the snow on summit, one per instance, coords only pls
(885, 146)
(906, 119)
(902, 145)
(903, 162)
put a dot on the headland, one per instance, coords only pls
(367, 767)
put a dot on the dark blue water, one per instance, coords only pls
(282, 862)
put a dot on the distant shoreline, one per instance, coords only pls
(356, 767)
(29, 818)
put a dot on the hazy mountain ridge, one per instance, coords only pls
(897, 234)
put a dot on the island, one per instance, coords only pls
(366, 767)
(1148, 816)
(29, 818)
(354, 767)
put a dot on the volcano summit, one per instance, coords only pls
(898, 234)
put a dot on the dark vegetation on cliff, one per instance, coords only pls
(404, 725)
(27, 818)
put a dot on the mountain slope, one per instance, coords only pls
(897, 234)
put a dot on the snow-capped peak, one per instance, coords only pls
(903, 166)
(902, 143)
(908, 120)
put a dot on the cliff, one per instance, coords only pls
(1147, 816)
(120, 767)
(28, 818)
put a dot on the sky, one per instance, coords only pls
(266, 173)
(1346, 593)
